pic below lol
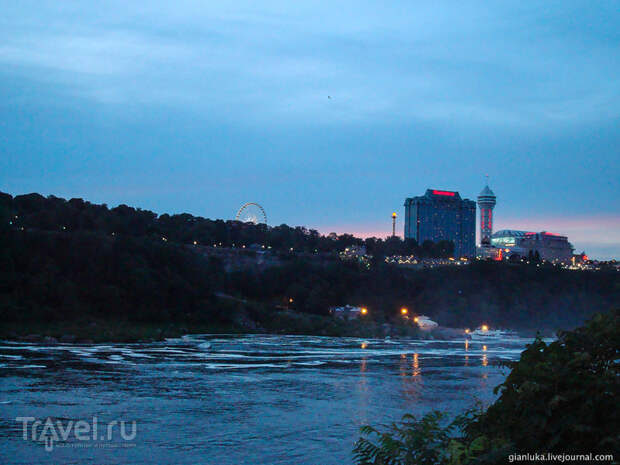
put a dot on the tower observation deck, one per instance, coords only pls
(486, 203)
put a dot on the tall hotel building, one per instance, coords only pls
(442, 215)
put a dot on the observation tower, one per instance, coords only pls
(486, 203)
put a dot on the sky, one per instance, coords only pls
(328, 114)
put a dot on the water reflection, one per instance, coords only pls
(363, 364)
(416, 365)
(403, 366)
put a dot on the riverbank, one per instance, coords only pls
(96, 330)
(269, 321)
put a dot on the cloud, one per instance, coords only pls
(216, 103)
(492, 65)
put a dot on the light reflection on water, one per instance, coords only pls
(239, 399)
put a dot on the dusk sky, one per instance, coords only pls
(329, 114)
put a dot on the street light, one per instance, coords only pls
(404, 311)
(364, 311)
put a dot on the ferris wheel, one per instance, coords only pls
(251, 212)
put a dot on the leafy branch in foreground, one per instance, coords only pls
(420, 442)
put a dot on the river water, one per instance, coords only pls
(217, 399)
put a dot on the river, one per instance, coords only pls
(224, 399)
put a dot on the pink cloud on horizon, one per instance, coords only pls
(598, 235)
(359, 231)
(604, 229)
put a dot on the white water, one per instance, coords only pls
(238, 399)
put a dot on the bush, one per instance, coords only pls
(559, 398)
(563, 397)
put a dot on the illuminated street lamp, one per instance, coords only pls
(364, 311)
(394, 224)
(415, 319)
(404, 311)
(484, 328)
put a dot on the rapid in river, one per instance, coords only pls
(230, 399)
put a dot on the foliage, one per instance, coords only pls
(35, 212)
(504, 295)
(563, 397)
(559, 398)
(51, 277)
(413, 441)
(63, 259)
(420, 442)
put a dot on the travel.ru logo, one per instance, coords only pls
(65, 433)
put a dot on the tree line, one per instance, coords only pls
(34, 211)
(71, 259)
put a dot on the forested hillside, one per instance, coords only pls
(35, 212)
(501, 294)
(74, 261)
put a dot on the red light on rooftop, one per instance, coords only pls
(549, 234)
(446, 193)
